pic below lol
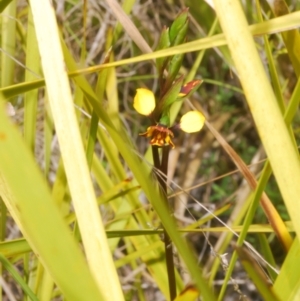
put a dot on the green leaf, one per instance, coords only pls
(181, 35)
(164, 42)
(180, 22)
(174, 68)
(170, 97)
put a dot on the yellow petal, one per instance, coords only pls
(192, 121)
(144, 101)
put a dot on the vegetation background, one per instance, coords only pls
(69, 139)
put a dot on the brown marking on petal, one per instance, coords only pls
(185, 89)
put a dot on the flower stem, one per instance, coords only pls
(162, 166)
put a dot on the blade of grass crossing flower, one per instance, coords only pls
(272, 26)
(268, 27)
(96, 248)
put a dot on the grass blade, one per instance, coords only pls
(88, 216)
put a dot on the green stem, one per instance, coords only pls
(162, 166)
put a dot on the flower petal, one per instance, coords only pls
(144, 101)
(192, 121)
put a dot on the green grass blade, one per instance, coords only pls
(31, 97)
(25, 193)
(263, 105)
(291, 38)
(61, 103)
(267, 252)
(257, 275)
(8, 44)
(287, 284)
(10, 268)
(272, 26)
(14, 247)
(3, 4)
